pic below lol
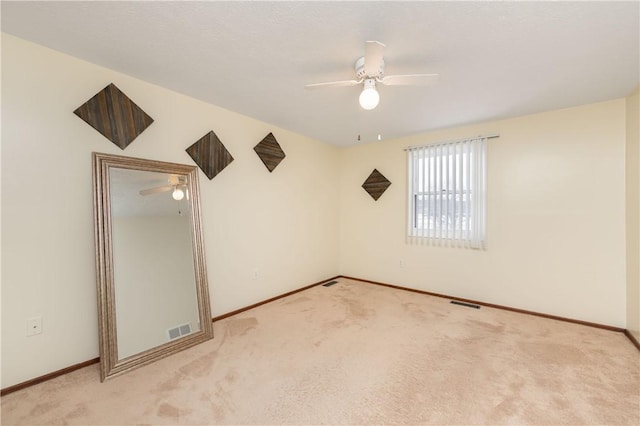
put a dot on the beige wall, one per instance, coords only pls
(633, 213)
(555, 217)
(556, 209)
(280, 225)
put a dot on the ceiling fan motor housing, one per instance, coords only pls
(360, 70)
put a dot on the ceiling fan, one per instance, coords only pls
(370, 70)
(177, 183)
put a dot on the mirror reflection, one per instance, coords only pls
(156, 298)
(153, 295)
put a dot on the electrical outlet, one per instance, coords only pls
(34, 326)
(402, 263)
(255, 275)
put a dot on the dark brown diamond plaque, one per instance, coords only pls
(269, 152)
(114, 115)
(376, 184)
(210, 155)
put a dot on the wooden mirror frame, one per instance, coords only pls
(110, 364)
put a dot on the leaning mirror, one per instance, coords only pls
(153, 297)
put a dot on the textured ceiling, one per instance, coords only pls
(495, 59)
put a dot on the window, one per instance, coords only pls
(447, 193)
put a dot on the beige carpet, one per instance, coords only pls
(357, 353)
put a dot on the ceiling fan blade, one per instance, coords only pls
(156, 190)
(373, 53)
(333, 84)
(410, 80)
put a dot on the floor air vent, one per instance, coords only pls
(468, 305)
(330, 283)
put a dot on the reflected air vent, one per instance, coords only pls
(179, 331)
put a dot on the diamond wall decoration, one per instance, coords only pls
(114, 115)
(210, 155)
(376, 184)
(269, 152)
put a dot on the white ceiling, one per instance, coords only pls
(495, 59)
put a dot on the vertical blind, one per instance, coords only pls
(447, 191)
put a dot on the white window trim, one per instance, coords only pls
(447, 176)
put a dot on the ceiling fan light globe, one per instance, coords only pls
(178, 194)
(369, 98)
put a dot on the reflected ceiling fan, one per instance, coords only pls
(177, 183)
(370, 70)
